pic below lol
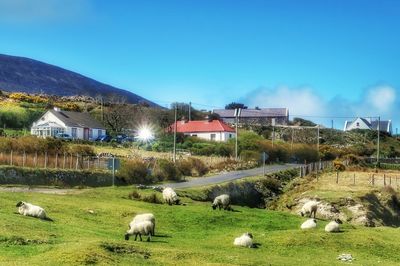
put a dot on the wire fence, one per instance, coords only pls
(362, 179)
(54, 160)
(315, 167)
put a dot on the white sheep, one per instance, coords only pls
(309, 208)
(309, 224)
(333, 226)
(146, 217)
(140, 228)
(170, 196)
(222, 201)
(245, 240)
(28, 209)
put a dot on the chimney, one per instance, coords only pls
(184, 120)
(57, 109)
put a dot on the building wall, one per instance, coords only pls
(219, 136)
(356, 124)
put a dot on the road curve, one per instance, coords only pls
(230, 176)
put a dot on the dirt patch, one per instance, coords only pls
(57, 191)
(118, 248)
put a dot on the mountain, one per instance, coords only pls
(20, 74)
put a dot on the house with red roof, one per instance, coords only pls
(214, 130)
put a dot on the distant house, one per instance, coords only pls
(259, 116)
(77, 125)
(210, 130)
(366, 123)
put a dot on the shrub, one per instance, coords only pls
(85, 150)
(134, 195)
(338, 165)
(247, 155)
(166, 170)
(192, 167)
(152, 198)
(134, 172)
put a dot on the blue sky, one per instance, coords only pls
(319, 58)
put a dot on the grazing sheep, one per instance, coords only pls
(309, 224)
(245, 240)
(140, 228)
(146, 217)
(309, 208)
(222, 201)
(170, 197)
(28, 209)
(333, 226)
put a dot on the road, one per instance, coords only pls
(230, 176)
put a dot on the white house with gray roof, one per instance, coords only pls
(77, 125)
(259, 116)
(368, 123)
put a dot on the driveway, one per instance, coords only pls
(230, 176)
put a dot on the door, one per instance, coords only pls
(85, 133)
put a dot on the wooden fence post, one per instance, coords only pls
(384, 179)
(88, 163)
(354, 178)
(390, 180)
(56, 164)
(337, 177)
(77, 162)
(70, 162)
(45, 159)
(64, 160)
(373, 179)
(23, 159)
(11, 157)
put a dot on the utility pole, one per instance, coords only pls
(237, 114)
(102, 108)
(379, 133)
(175, 125)
(397, 136)
(291, 143)
(273, 131)
(318, 138)
(264, 163)
(332, 124)
(190, 111)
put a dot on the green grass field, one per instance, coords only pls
(185, 235)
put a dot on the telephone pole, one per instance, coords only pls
(237, 114)
(175, 125)
(190, 111)
(378, 144)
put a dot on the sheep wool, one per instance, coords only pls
(170, 196)
(309, 208)
(222, 201)
(146, 217)
(140, 228)
(333, 226)
(28, 209)
(245, 240)
(309, 224)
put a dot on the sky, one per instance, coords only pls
(322, 59)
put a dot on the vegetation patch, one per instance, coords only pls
(118, 248)
(18, 240)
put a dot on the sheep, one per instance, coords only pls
(333, 226)
(146, 217)
(170, 197)
(222, 201)
(28, 209)
(140, 228)
(309, 224)
(245, 240)
(309, 208)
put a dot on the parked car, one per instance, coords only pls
(63, 136)
(104, 138)
(119, 138)
(127, 140)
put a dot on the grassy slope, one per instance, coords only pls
(192, 234)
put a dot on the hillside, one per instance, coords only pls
(185, 235)
(19, 74)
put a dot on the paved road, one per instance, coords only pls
(229, 176)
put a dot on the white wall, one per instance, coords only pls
(219, 136)
(353, 125)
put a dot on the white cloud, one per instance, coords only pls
(381, 98)
(300, 101)
(23, 11)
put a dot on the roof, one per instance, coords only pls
(384, 125)
(77, 119)
(263, 112)
(201, 126)
(48, 124)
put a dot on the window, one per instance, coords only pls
(90, 133)
(212, 136)
(230, 136)
(357, 124)
(99, 133)
(194, 135)
(74, 132)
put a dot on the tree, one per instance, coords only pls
(303, 122)
(234, 105)
(117, 113)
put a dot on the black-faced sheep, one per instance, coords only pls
(170, 196)
(333, 226)
(309, 224)
(309, 208)
(28, 209)
(222, 201)
(146, 217)
(245, 240)
(141, 228)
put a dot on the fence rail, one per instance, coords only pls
(315, 167)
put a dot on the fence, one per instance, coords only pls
(55, 161)
(315, 167)
(362, 179)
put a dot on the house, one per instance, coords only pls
(77, 125)
(215, 130)
(260, 116)
(367, 123)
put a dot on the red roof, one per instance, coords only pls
(201, 126)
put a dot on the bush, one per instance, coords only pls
(152, 198)
(247, 155)
(338, 165)
(166, 170)
(84, 150)
(134, 195)
(134, 172)
(192, 167)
